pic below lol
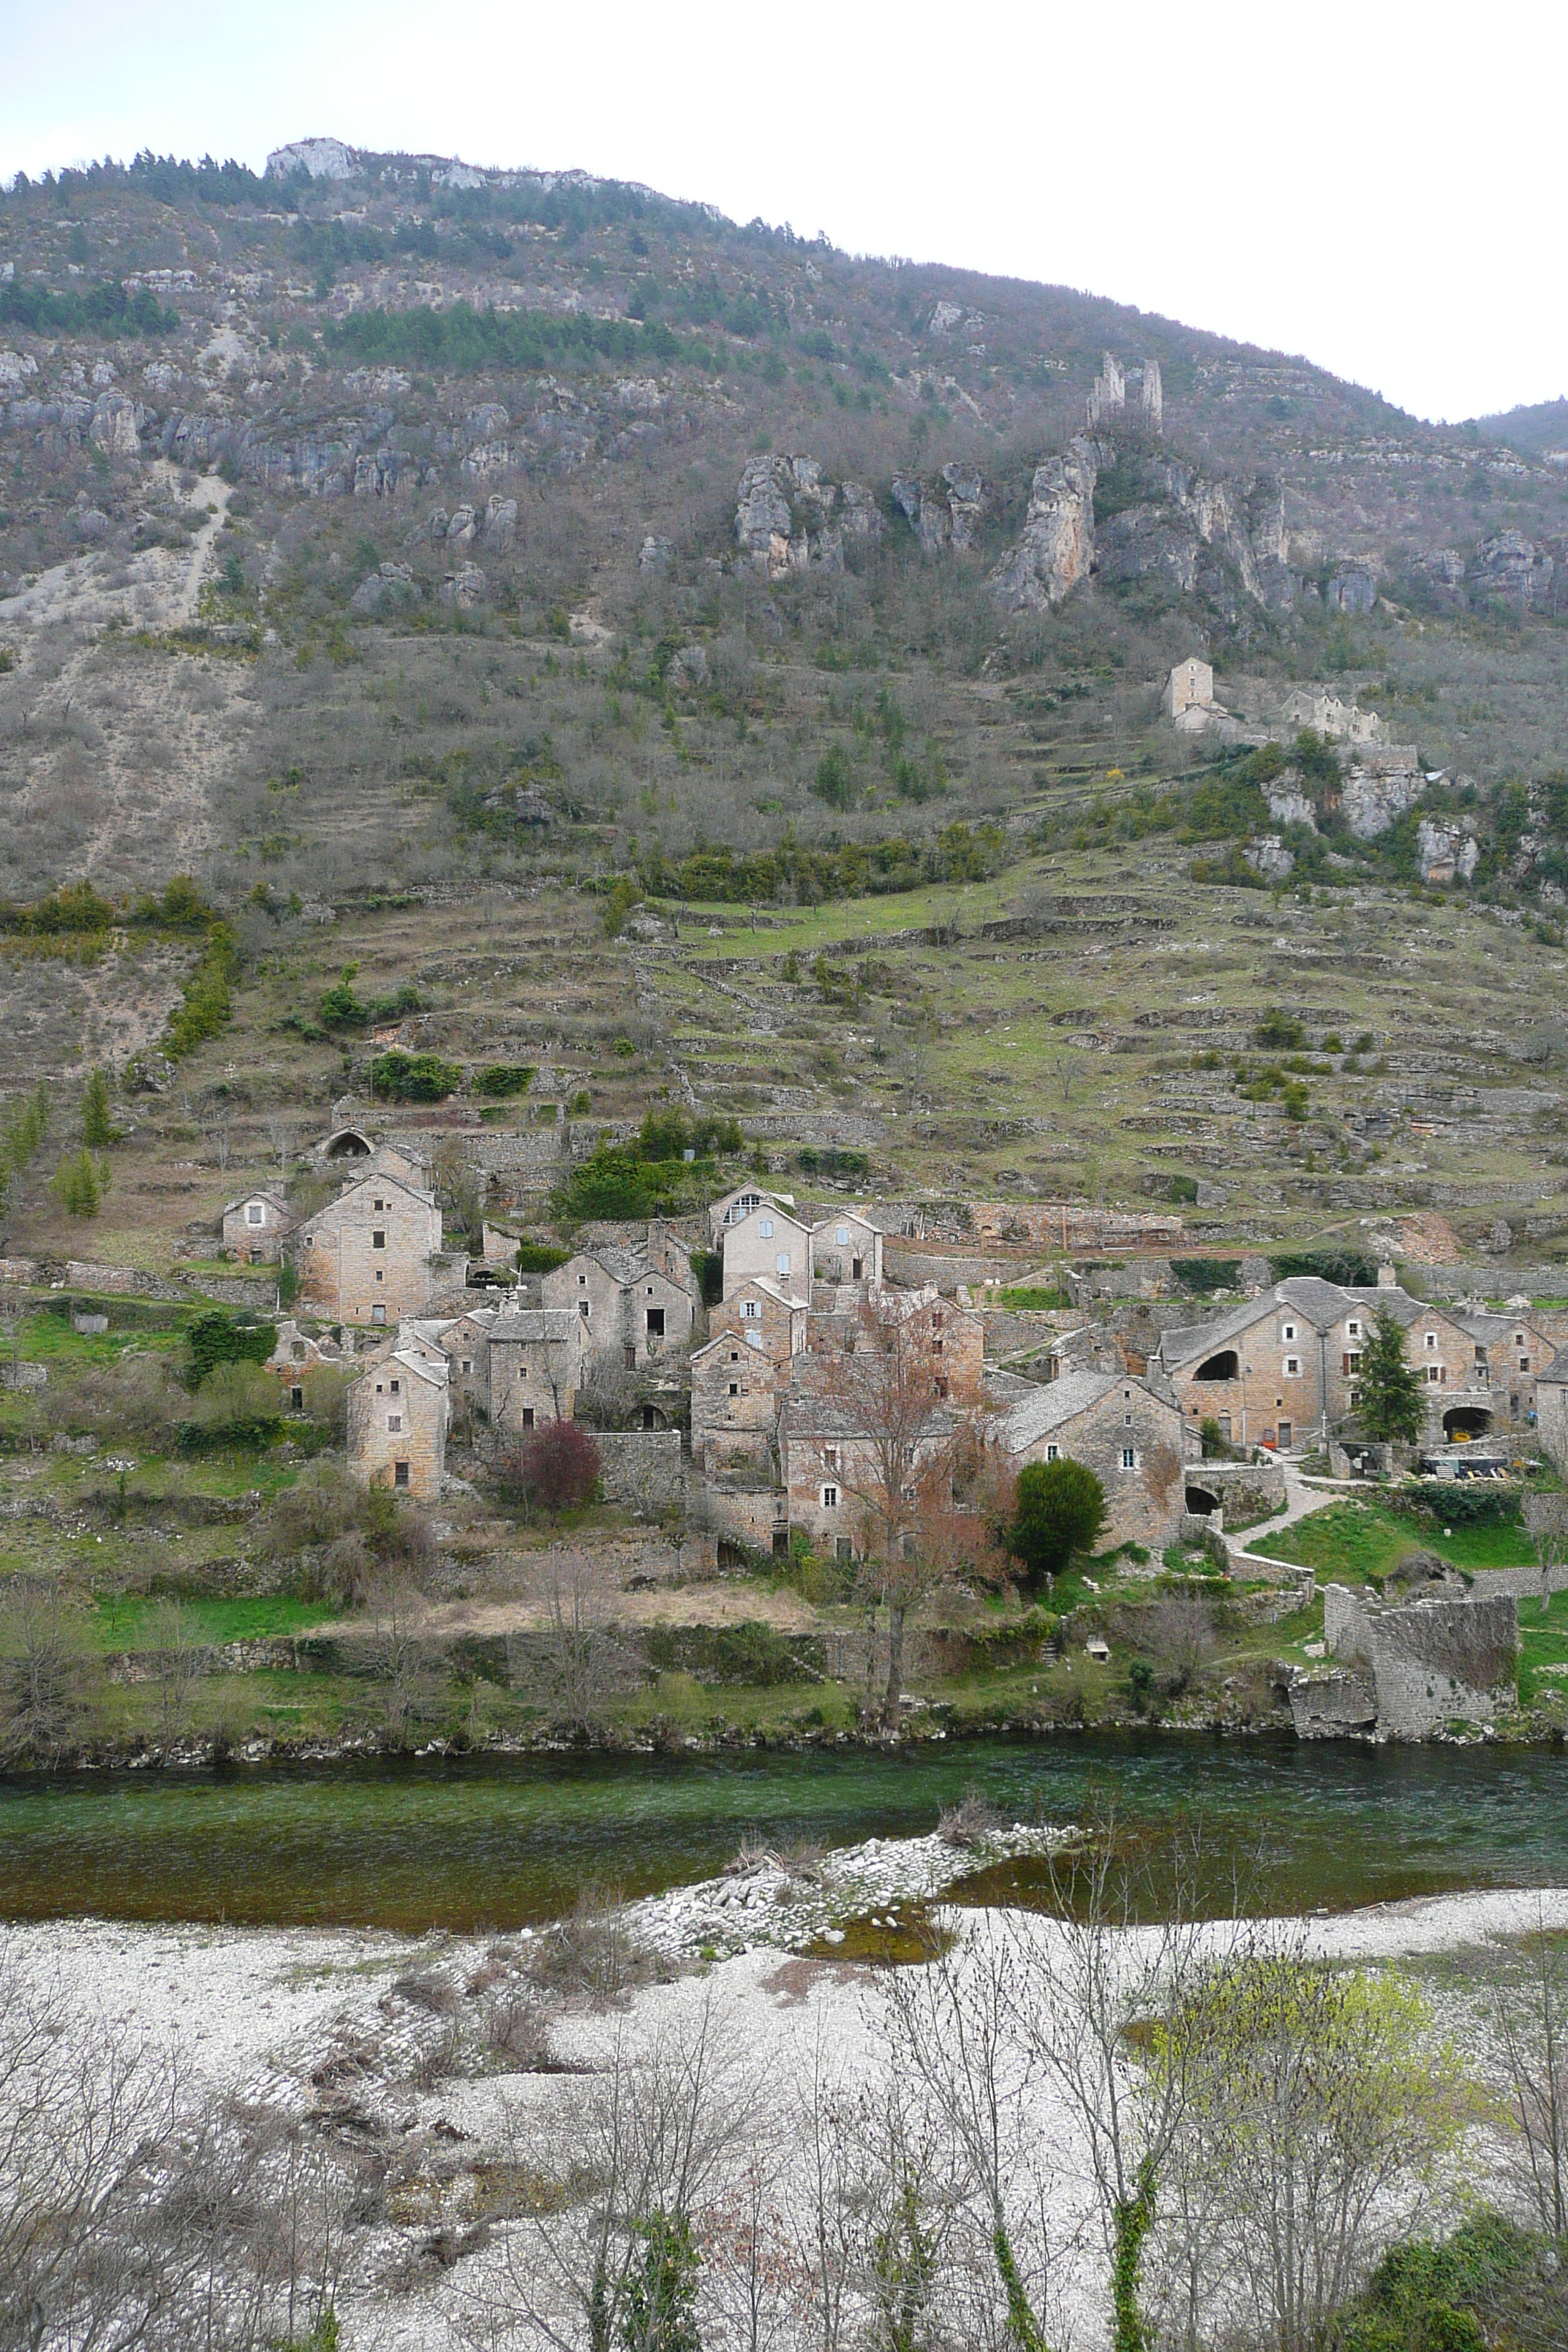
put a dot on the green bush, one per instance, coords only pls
(215, 1338)
(835, 778)
(499, 1080)
(539, 1257)
(397, 1076)
(1203, 1275)
(1457, 1502)
(208, 994)
(1059, 1514)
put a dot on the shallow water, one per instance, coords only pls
(473, 1842)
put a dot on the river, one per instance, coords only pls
(469, 1842)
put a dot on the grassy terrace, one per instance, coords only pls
(1355, 1540)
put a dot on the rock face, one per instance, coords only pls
(116, 425)
(322, 159)
(1056, 549)
(787, 517)
(948, 512)
(501, 523)
(1352, 588)
(1375, 792)
(1510, 568)
(393, 585)
(1445, 849)
(465, 587)
(687, 669)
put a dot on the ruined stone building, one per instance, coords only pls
(397, 1423)
(1326, 714)
(297, 1352)
(1125, 1428)
(638, 1302)
(1109, 395)
(1408, 1668)
(370, 1257)
(256, 1226)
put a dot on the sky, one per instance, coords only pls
(1376, 185)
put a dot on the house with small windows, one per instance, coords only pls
(736, 1393)
(733, 1207)
(256, 1226)
(533, 1360)
(370, 1257)
(954, 1335)
(633, 1309)
(769, 1241)
(1126, 1428)
(830, 1470)
(764, 1318)
(397, 1423)
(846, 1250)
(1511, 1353)
(297, 1352)
(1552, 1410)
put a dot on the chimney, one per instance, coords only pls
(1386, 1279)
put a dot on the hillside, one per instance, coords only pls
(407, 551)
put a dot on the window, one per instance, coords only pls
(734, 1388)
(656, 1322)
(843, 1549)
(842, 1236)
(754, 1339)
(1352, 1361)
(1431, 1338)
(255, 1215)
(857, 1267)
(1433, 1375)
(1519, 1339)
(395, 1420)
(379, 1275)
(936, 1346)
(766, 1229)
(394, 1385)
(582, 1282)
(527, 1416)
(750, 1310)
(583, 1308)
(400, 1473)
(830, 1498)
(1352, 1330)
(1127, 1419)
(297, 1398)
(468, 1363)
(378, 1313)
(1288, 1332)
(310, 1241)
(1292, 1367)
(378, 1205)
(782, 1261)
(734, 1355)
(830, 1457)
(298, 1351)
(746, 1204)
(1053, 1454)
(1524, 1363)
(1128, 1458)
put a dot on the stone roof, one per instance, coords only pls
(273, 1199)
(1321, 1304)
(1056, 1403)
(522, 1325)
(1557, 1369)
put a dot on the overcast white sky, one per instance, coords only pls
(1375, 184)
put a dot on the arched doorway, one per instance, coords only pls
(1462, 1423)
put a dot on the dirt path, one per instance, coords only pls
(691, 1604)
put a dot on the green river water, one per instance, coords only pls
(496, 1842)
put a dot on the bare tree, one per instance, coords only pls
(577, 1661)
(1546, 1518)
(220, 1141)
(177, 1666)
(653, 2140)
(280, 1132)
(45, 1673)
(398, 1653)
(1533, 2030)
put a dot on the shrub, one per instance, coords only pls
(835, 778)
(559, 1467)
(215, 1338)
(539, 1257)
(137, 1400)
(208, 992)
(413, 1077)
(1279, 1029)
(339, 1008)
(500, 1079)
(237, 1399)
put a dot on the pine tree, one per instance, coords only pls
(1388, 1400)
(97, 1125)
(80, 1184)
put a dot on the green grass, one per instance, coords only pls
(1542, 1641)
(1357, 1540)
(133, 1623)
(1023, 1299)
(51, 1340)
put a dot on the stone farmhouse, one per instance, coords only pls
(256, 1226)
(827, 1467)
(534, 1360)
(736, 1393)
(1280, 1370)
(1189, 688)
(768, 1240)
(846, 1249)
(370, 1257)
(397, 1421)
(1126, 1429)
(638, 1302)
(764, 1317)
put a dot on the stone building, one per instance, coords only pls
(769, 1241)
(829, 1470)
(732, 1207)
(1552, 1410)
(1326, 714)
(956, 1339)
(636, 1301)
(397, 1423)
(764, 1317)
(533, 1359)
(256, 1226)
(1512, 1355)
(1404, 1670)
(1189, 688)
(297, 1352)
(1281, 1369)
(1125, 1428)
(846, 1248)
(370, 1255)
(736, 1393)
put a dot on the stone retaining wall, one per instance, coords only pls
(643, 1470)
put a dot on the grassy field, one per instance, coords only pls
(1543, 1645)
(1356, 1540)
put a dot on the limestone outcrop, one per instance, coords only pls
(788, 517)
(384, 590)
(1055, 548)
(948, 512)
(1445, 849)
(465, 587)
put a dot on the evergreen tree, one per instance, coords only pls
(80, 1184)
(97, 1126)
(1060, 1511)
(1388, 1398)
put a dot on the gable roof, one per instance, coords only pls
(358, 1184)
(521, 1327)
(273, 1199)
(769, 1289)
(1060, 1402)
(1556, 1370)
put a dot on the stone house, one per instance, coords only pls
(367, 1256)
(736, 1393)
(846, 1248)
(462, 1339)
(1552, 1410)
(1281, 1369)
(1326, 714)
(769, 1241)
(734, 1207)
(1190, 686)
(397, 1423)
(256, 1225)
(761, 1314)
(827, 1467)
(1125, 1428)
(1408, 1669)
(957, 1337)
(533, 1359)
(297, 1352)
(632, 1309)
(1512, 1353)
